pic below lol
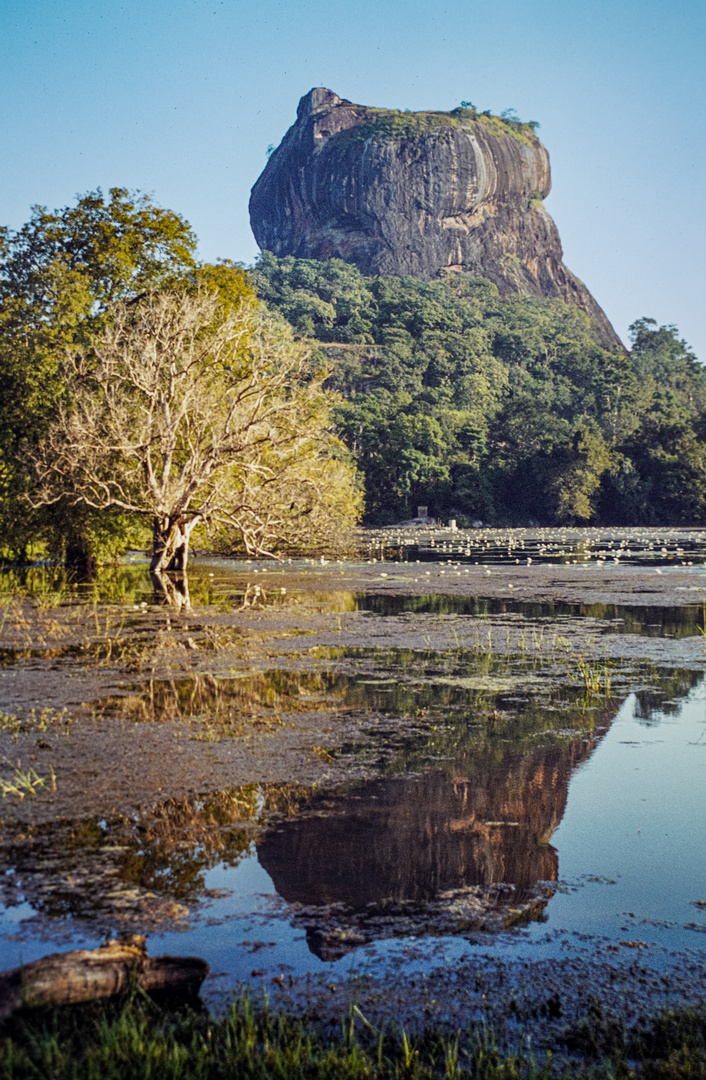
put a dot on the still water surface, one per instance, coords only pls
(599, 809)
(613, 825)
(627, 858)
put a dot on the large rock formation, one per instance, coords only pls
(419, 194)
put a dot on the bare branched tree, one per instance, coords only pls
(303, 500)
(186, 411)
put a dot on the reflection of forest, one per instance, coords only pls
(230, 701)
(413, 837)
(675, 622)
(485, 816)
(223, 701)
(130, 871)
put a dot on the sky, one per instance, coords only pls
(181, 99)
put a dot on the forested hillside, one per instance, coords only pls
(501, 410)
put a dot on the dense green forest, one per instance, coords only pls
(503, 410)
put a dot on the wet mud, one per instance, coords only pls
(392, 741)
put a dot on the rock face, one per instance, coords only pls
(419, 194)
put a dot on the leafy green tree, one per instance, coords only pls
(659, 478)
(59, 276)
(190, 410)
(532, 418)
(579, 481)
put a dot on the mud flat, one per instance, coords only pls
(346, 776)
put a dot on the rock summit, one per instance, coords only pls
(417, 193)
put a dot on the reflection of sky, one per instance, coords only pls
(632, 861)
(243, 938)
(635, 815)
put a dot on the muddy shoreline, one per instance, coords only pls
(282, 682)
(108, 762)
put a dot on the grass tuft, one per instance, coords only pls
(136, 1038)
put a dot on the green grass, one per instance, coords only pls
(134, 1038)
(391, 125)
(23, 782)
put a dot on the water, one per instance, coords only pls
(569, 546)
(674, 622)
(632, 837)
(611, 821)
(626, 861)
(499, 787)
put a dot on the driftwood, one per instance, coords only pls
(87, 974)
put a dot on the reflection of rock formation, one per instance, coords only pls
(407, 839)
(393, 844)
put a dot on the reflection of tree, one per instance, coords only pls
(442, 711)
(132, 870)
(171, 589)
(229, 703)
(664, 697)
(232, 701)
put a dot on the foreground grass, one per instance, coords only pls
(134, 1038)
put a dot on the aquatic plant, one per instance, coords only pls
(35, 720)
(23, 782)
(702, 629)
(4, 612)
(594, 678)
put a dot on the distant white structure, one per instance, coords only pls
(413, 523)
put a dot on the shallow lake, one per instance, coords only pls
(505, 808)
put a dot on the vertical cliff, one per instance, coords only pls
(419, 194)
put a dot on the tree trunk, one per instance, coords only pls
(87, 974)
(79, 558)
(172, 591)
(170, 543)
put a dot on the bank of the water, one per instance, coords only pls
(320, 772)
(140, 1039)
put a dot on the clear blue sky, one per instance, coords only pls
(181, 98)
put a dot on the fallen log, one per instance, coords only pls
(87, 974)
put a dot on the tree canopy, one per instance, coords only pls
(503, 410)
(59, 275)
(189, 411)
(139, 384)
